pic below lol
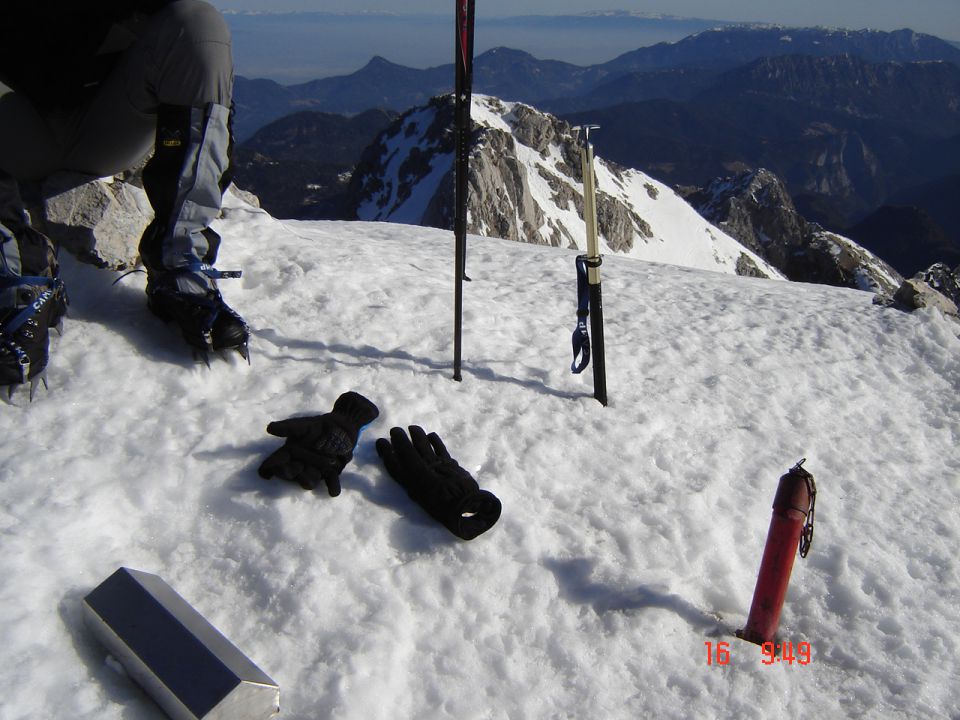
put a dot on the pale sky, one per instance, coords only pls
(938, 17)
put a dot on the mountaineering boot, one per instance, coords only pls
(32, 300)
(185, 180)
(191, 299)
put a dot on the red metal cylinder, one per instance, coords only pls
(790, 507)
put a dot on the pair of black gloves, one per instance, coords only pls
(318, 448)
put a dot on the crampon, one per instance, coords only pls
(24, 333)
(191, 300)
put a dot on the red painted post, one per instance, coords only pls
(792, 505)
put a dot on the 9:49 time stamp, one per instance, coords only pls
(771, 653)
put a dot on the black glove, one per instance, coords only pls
(319, 447)
(437, 483)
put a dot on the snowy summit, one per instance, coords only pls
(630, 537)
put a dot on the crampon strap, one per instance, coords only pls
(213, 302)
(8, 328)
(212, 272)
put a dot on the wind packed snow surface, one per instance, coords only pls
(631, 535)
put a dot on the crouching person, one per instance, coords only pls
(95, 87)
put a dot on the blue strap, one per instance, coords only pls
(581, 339)
(212, 272)
(9, 281)
(53, 285)
(214, 305)
(11, 326)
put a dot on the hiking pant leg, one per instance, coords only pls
(179, 70)
(29, 149)
(181, 58)
(188, 53)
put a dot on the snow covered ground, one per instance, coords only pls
(631, 535)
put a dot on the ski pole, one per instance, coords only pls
(593, 261)
(463, 90)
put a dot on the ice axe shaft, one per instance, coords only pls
(593, 262)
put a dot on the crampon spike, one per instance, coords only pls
(30, 385)
(39, 378)
(244, 351)
(201, 356)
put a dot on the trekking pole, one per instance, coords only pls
(463, 90)
(589, 300)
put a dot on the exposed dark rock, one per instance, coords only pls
(944, 280)
(756, 208)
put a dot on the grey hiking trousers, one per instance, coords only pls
(179, 56)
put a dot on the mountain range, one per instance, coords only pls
(526, 184)
(300, 165)
(844, 133)
(296, 47)
(849, 121)
(519, 76)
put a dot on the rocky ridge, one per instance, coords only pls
(755, 207)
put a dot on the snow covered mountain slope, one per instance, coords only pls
(630, 537)
(526, 184)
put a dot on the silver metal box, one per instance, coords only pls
(191, 670)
